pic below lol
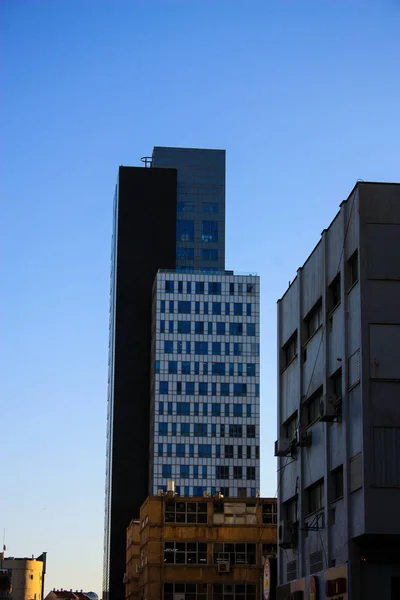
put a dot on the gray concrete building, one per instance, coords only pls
(338, 443)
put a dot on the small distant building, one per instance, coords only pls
(70, 595)
(22, 578)
(200, 547)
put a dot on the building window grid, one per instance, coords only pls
(185, 553)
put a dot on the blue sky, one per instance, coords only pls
(305, 98)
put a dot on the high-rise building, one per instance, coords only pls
(338, 408)
(168, 250)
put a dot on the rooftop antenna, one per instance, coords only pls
(4, 540)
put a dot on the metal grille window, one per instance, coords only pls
(181, 553)
(352, 268)
(316, 562)
(337, 483)
(235, 554)
(291, 570)
(270, 513)
(185, 591)
(334, 293)
(185, 512)
(314, 319)
(238, 591)
(315, 496)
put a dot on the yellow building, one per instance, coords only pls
(26, 576)
(207, 548)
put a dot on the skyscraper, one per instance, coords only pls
(183, 387)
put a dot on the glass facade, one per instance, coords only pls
(200, 225)
(206, 366)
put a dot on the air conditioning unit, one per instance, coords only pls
(327, 409)
(303, 438)
(224, 567)
(285, 534)
(282, 447)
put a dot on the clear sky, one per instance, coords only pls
(304, 96)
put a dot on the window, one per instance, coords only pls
(196, 368)
(199, 327)
(205, 368)
(189, 388)
(231, 368)
(184, 472)
(210, 207)
(195, 472)
(226, 410)
(185, 512)
(203, 388)
(237, 410)
(248, 411)
(216, 308)
(270, 513)
(250, 288)
(161, 408)
(251, 431)
(185, 553)
(238, 309)
(199, 287)
(240, 369)
(167, 471)
(248, 310)
(216, 348)
(209, 254)
(240, 389)
(251, 329)
(218, 368)
(290, 350)
(191, 450)
(215, 410)
(248, 451)
(200, 429)
(227, 308)
(235, 431)
(191, 591)
(224, 389)
(218, 451)
(290, 427)
(228, 452)
(222, 472)
(180, 450)
(213, 430)
(204, 451)
(186, 206)
(227, 349)
(291, 570)
(170, 326)
(334, 293)
(169, 286)
(237, 472)
(162, 306)
(352, 269)
(180, 287)
(171, 306)
(337, 483)
(336, 387)
(160, 449)
(214, 288)
(235, 328)
(210, 231)
(169, 450)
(235, 554)
(179, 387)
(184, 231)
(210, 328)
(240, 451)
(172, 367)
(237, 349)
(183, 409)
(173, 428)
(183, 326)
(185, 367)
(185, 429)
(201, 347)
(197, 308)
(220, 328)
(250, 473)
(185, 254)
(184, 307)
(163, 387)
(240, 288)
(205, 308)
(162, 326)
(188, 287)
(251, 370)
(315, 497)
(311, 408)
(231, 289)
(222, 429)
(314, 319)
(168, 347)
